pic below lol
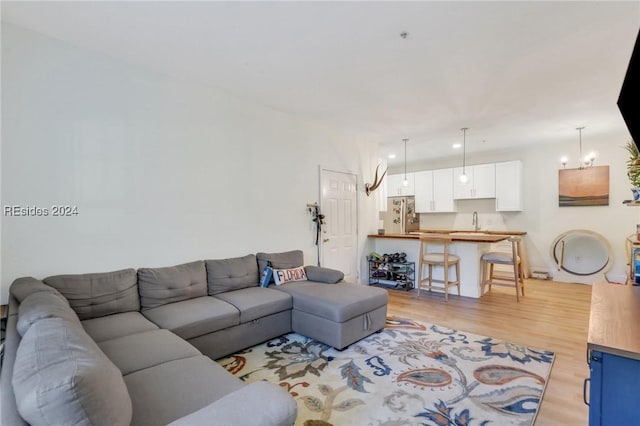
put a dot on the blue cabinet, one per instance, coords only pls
(614, 390)
(595, 388)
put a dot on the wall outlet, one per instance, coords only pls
(540, 275)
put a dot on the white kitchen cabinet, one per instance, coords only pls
(424, 191)
(484, 177)
(434, 191)
(509, 186)
(443, 191)
(462, 190)
(481, 182)
(396, 188)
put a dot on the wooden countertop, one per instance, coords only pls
(469, 238)
(398, 236)
(614, 324)
(482, 231)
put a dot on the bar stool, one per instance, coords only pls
(498, 258)
(442, 259)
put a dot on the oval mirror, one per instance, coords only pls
(582, 252)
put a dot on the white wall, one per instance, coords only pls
(161, 171)
(542, 219)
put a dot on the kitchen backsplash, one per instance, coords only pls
(488, 218)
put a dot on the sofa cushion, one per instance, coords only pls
(23, 287)
(96, 295)
(168, 391)
(323, 275)
(338, 303)
(195, 317)
(117, 325)
(286, 260)
(143, 350)
(41, 305)
(257, 302)
(232, 274)
(61, 377)
(159, 286)
(275, 405)
(8, 410)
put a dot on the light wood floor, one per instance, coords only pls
(552, 316)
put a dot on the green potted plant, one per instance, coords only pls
(633, 169)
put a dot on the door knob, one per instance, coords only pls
(325, 240)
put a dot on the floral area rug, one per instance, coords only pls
(411, 373)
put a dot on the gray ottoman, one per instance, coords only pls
(336, 314)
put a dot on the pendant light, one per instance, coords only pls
(405, 182)
(583, 162)
(463, 177)
(588, 160)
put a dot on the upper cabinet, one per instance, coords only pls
(484, 176)
(395, 185)
(481, 182)
(434, 191)
(424, 191)
(509, 186)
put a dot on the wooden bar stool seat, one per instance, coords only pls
(488, 260)
(442, 259)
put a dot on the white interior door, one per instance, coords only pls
(339, 239)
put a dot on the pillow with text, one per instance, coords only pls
(281, 276)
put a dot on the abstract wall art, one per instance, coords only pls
(584, 187)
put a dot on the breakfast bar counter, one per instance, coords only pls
(613, 324)
(613, 355)
(468, 245)
(456, 236)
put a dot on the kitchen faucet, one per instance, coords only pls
(475, 222)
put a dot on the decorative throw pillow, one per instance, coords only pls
(267, 275)
(281, 276)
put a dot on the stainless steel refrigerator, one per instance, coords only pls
(401, 216)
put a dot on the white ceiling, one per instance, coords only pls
(513, 72)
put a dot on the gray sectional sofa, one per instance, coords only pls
(138, 347)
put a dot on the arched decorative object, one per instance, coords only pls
(582, 252)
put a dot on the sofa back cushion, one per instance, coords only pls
(285, 260)
(23, 287)
(97, 295)
(41, 305)
(61, 377)
(159, 286)
(232, 274)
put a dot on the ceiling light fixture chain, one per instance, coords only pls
(463, 176)
(405, 182)
(579, 129)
